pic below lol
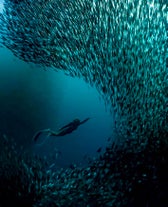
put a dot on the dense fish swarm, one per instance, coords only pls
(126, 175)
(118, 46)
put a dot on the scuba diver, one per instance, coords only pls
(67, 129)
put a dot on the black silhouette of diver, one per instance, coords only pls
(67, 129)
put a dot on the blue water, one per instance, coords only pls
(33, 99)
(1, 5)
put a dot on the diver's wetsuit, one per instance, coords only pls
(67, 129)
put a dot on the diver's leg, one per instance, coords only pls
(38, 133)
(60, 132)
(53, 133)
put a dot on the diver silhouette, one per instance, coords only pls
(67, 129)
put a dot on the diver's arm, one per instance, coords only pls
(85, 120)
